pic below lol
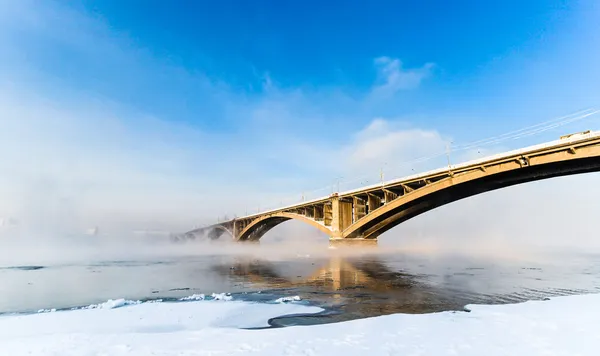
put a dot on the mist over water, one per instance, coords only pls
(410, 277)
(506, 246)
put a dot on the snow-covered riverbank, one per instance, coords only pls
(560, 326)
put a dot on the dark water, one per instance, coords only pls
(347, 286)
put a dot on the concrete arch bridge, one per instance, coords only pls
(368, 212)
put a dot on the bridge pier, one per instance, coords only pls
(340, 242)
(341, 214)
(336, 227)
(249, 242)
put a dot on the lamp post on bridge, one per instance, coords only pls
(381, 174)
(338, 184)
(448, 148)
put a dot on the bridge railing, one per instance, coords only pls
(388, 174)
(399, 174)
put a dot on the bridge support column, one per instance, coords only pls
(352, 242)
(234, 229)
(336, 217)
(341, 212)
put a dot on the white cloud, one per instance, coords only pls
(381, 143)
(393, 77)
(386, 145)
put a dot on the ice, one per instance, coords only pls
(222, 296)
(215, 296)
(155, 301)
(194, 297)
(288, 299)
(112, 304)
(559, 326)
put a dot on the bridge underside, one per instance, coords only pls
(394, 217)
(367, 213)
(258, 230)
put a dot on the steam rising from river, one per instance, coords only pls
(62, 177)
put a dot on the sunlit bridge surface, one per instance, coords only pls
(368, 212)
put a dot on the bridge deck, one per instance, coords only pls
(369, 211)
(526, 151)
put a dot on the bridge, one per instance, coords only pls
(367, 212)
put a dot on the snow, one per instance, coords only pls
(112, 304)
(560, 326)
(194, 297)
(295, 298)
(215, 296)
(222, 296)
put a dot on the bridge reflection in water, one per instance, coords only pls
(357, 287)
(366, 284)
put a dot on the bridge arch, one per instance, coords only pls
(212, 233)
(368, 212)
(464, 185)
(217, 231)
(260, 226)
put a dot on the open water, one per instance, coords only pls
(349, 285)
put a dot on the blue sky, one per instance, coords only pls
(505, 56)
(332, 44)
(269, 99)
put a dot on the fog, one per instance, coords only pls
(80, 185)
(85, 174)
(74, 190)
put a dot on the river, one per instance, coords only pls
(349, 283)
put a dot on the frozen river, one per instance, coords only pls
(346, 284)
